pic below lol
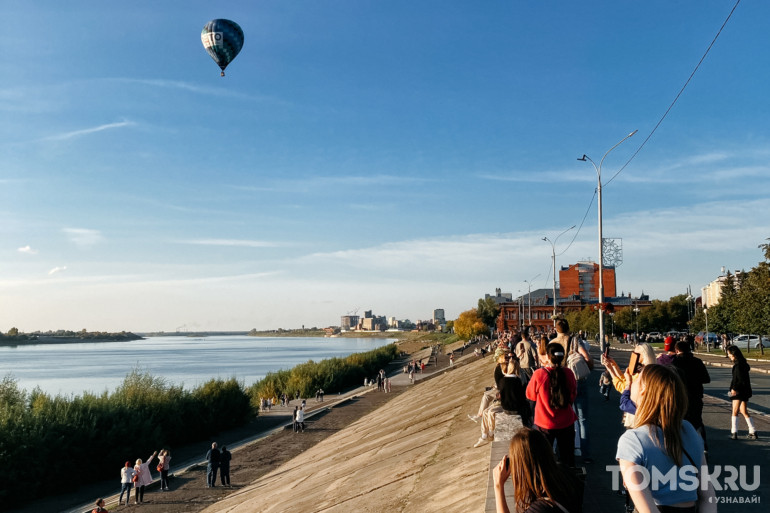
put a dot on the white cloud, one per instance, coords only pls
(57, 270)
(28, 250)
(83, 237)
(86, 131)
(233, 242)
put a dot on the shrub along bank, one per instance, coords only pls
(51, 444)
(332, 375)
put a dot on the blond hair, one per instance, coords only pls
(663, 406)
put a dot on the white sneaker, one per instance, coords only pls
(481, 442)
(474, 418)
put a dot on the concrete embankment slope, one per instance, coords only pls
(412, 454)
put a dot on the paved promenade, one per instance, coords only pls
(605, 428)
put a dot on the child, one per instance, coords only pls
(604, 385)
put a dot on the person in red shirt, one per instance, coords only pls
(553, 388)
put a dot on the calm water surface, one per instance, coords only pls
(96, 367)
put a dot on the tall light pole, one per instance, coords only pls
(529, 286)
(601, 241)
(706, 313)
(636, 334)
(553, 258)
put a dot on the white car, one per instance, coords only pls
(745, 341)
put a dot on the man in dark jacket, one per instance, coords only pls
(224, 466)
(213, 465)
(694, 374)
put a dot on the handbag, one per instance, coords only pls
(160, 467)
(135, 479)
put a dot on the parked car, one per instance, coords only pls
(713, 339)
(746, 341)
(654, 336)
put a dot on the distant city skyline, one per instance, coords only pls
(397, 155)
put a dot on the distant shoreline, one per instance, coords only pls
(43, 340)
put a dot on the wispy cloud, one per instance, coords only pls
(86, 131)
(315, 183)
(83, 237)
(56, 270)
(233, 242)
(540, 177)
(197, 89)
(28, 250)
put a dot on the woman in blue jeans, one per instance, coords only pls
(126, 473)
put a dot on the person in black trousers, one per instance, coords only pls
(224, 466)
(213, 465)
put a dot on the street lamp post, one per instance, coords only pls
(601, 241)
(529, 287)
(636, 334)
(706, 313)
(689, 299)
(553, 259)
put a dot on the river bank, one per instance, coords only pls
(189, 492)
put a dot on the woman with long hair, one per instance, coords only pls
(622, 380)
(510, 394)
(554, 388)
(740, 392)
(540, 485)
(164, 461)
(662, 443)
(142, 477)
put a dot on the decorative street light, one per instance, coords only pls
(636, 314)
(601, 241)
(529, 286)
(689, 300)
(553, 258)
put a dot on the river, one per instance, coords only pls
(75, 368)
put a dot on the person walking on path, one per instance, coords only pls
(224, 466)
(301, 419)
(294, 419)
(580, 347)
(740, 392)
(142, 477)
(554, 389)
(693, 372)
(212, 456)
(126, 475)
(663, 443)
(164, 460)
(526, 351)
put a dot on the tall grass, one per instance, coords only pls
(54, 444)
(332, 375)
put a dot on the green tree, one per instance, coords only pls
(469, 324)
(13, 332)
(487, 311)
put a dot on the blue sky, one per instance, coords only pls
(395, 156)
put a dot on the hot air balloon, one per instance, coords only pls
(222, 39)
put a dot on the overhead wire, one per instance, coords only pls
(660, 121)
(677, 96)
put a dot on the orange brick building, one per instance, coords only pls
(578, 288)
(582, 280)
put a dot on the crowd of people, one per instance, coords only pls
(542, 381)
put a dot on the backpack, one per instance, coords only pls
(575, 361)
